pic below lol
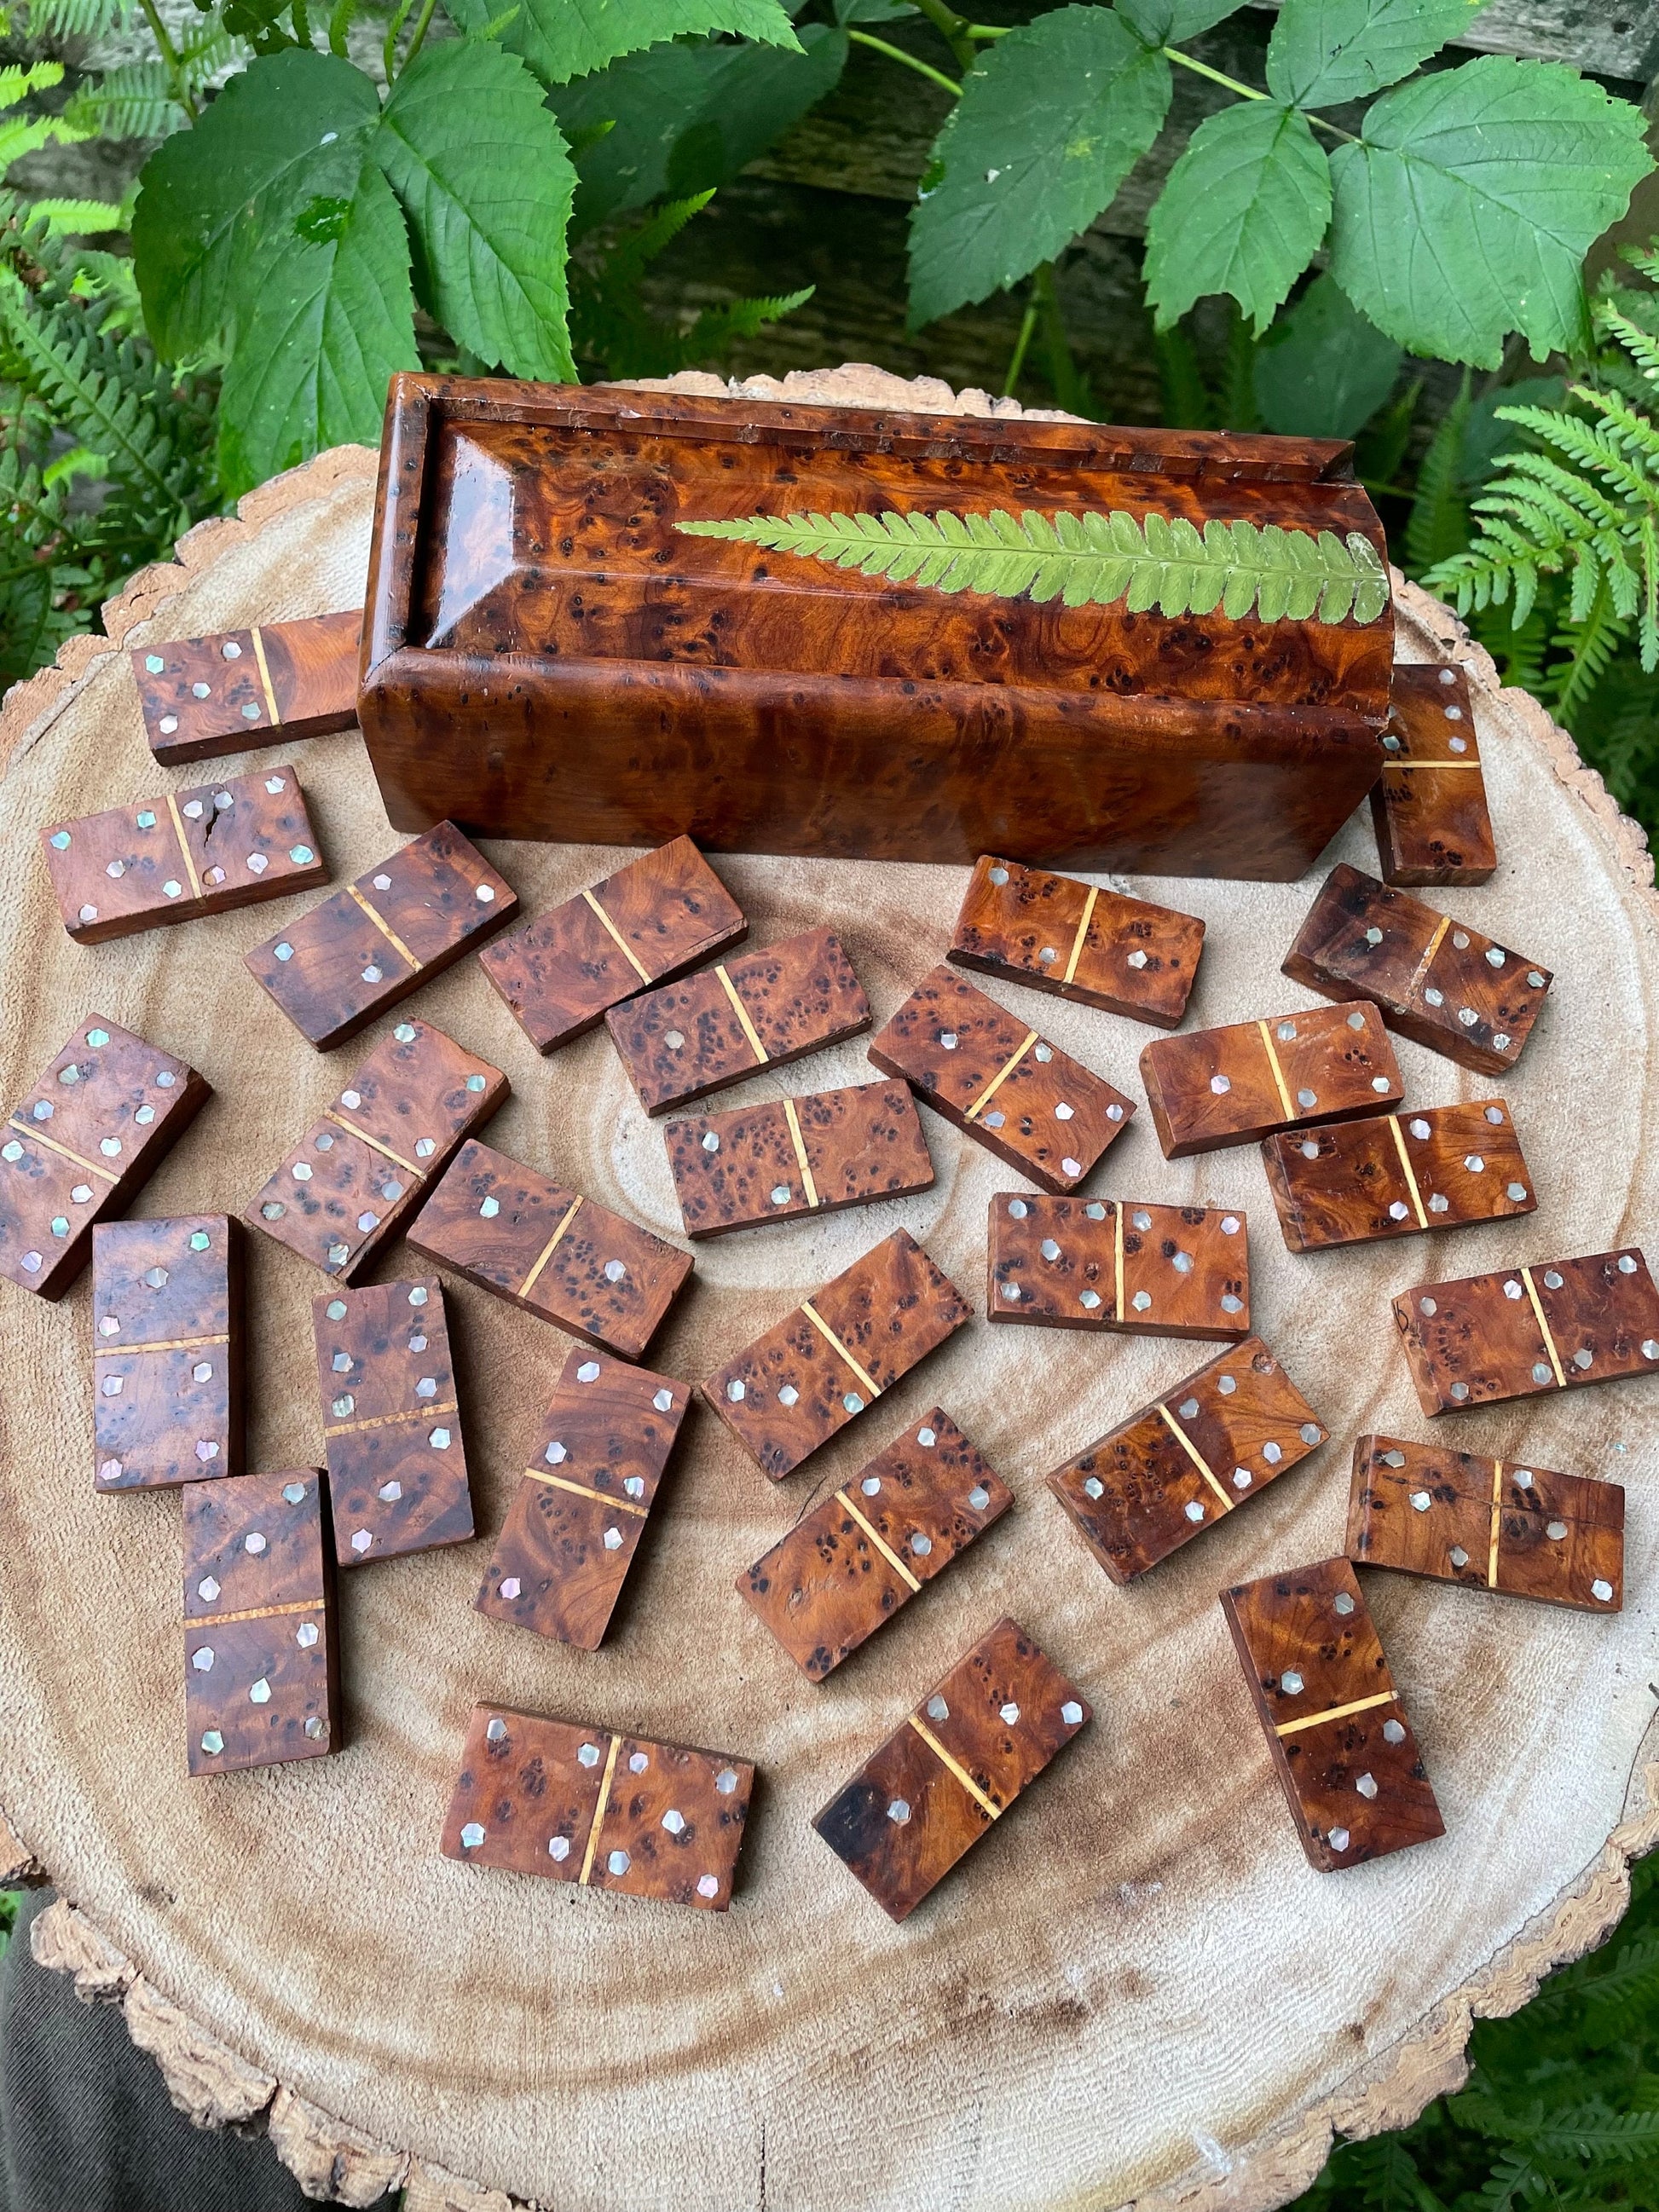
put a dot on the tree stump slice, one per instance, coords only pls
(1134, 1990)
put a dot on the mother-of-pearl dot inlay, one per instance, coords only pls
(898, 1811)
(510, 1587)
(1342, 1603)
(202, 1658)
(471, 1836)
(708, 1884)
(726, 1781)
(1009, 1713)
(674, 1822)
(1291, 1682)
(1093, 1486)
(1365, 1784)
(1220, 1085)
(306, 1635)
(588, 1372)
(259, 1694)
(253, 1542)
(1195, 1510)
(587, 1755)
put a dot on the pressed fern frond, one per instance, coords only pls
(1092, 558)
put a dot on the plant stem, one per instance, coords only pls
(421, 22)
(1017, 360)
(175, 68)
(952, 28)
(1203, 69)
(989, 30)
(893, 54)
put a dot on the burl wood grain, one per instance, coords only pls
(689, 1038)
(392, 1425)
(990, 1074)
(517, 1232)
(828, 1586)
(191, 853)
(580, 1804)
(654, 672)
(1124, 955)
(332, 970)
(358, 1175)
(1434, 980)
(1487, 1523)
(782, 1157)
(168, 1352)
(800, 1382)
(1232, 1085)
(1110, 1263)
(261, 1668)
(1558, 1325)
(646, 924)
(1344, 1751)
(1429, 806)
(202, 696)
(1178, 1466)
(1395, 1175)
(577, 1517)
(978, 1738)
(90, 1134)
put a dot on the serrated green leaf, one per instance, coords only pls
(562, 39)
(1050, 122)
(1323, 370)
(1466, 210)
(1326, 51)
(471, 152)
(1167, 22)
(1242, 212)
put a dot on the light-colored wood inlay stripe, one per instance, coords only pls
(27, 1129)
(548, 1250)
(266, 684)
(1196, 1457)
(1393, 1121)
(1337, 1713)
(1544, 1327)
(1117, 1210)
(384, 927)
(599, 1810)
(333, 1114)
(622, 943)
(157, 1344)
(876, 1538)
(1429, 951)
(837, 1345)
(1278, 1072)
(253, 1612)
(1001, 1075)
(1082, 933)
(583, 1490)
(390, 1421)
(799, 1144)
(955, 1766)
(742, 1013)
(1388, 764)
(1496, 1522)
(188, 857)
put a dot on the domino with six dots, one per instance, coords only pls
(1053, 933)
(782, 1157)
(1109, 1263)
(168, 1351)
(1393, 1175)
(201, 696)
(1232, 1085)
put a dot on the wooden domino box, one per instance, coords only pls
(1237, 1084)
(578, 1517)
(1175, 1468)
(1429, 806)
(1110, 1263)
(187, 853)
(261, 1663)
(782, 1157)
(201, 696)
(1434, 980)
(1521, 1331)
(363, 1169)
(1124, 955)
(851, 1564)
(978, 1738)
(1395, 1175)
(332, 970)
(1345, 1757)
(1487, 1523)
(391, 1427)
(87, 1138)
(801, 1383)
(168, 1352)
(991, 1076)
(647, 924)
(581, 1804)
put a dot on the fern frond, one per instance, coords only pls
(77, 19)
(1092, 558)
(739, 318)
(135, 101)
(1439, 518)
(628, 261)
(1590, 636)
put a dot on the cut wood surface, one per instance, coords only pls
(1134, 1990)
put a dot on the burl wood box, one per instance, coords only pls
(547, 653)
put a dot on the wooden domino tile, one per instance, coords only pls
(261, 1669)
(1235, 1084)
(521, 1234)
(647, 924)
(802, 1382)
(392, 1428)
(683, 1040)
(1457, 1518)
(1053, 933)
(1429, 806)
(364, 1166)
(1395, 1175)
(1343, 1749)
(978, 1739)
(167, 1342)
(578, 1517)
(85, 1140)
(1110, 1263)
(782, 1157)
(1522, 1331)
(202, 696)
(1434, 980)
(994, 1077)
(581, 1804)
(1177, 1467)
(332, 970)
(190, 853)
(849, 1566)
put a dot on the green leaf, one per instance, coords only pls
(481, 171)
(1049, 124)
(1243, 211)
(330, 320)
(1466, 210)
(1326, 51)
(1167, 22)
(284, 129)
(566, 39)
(1323, 370)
